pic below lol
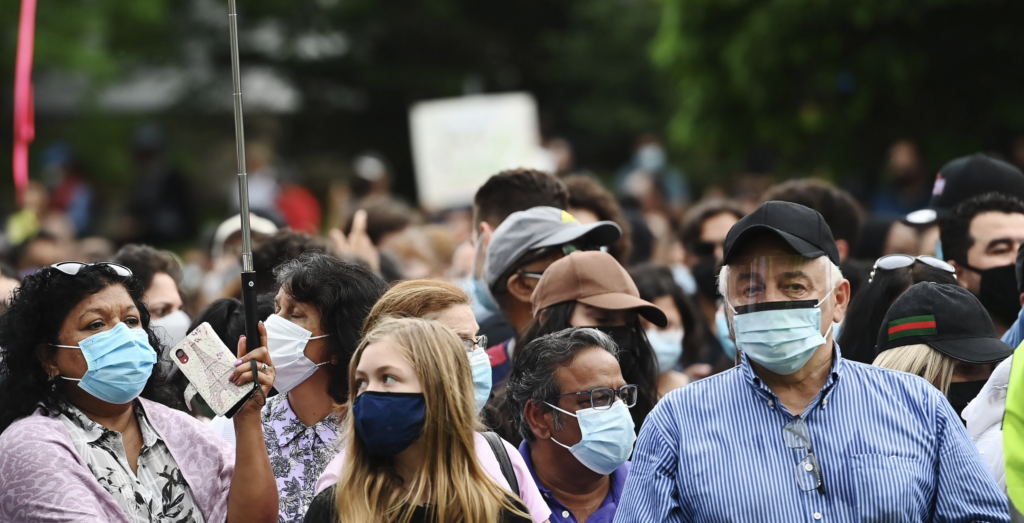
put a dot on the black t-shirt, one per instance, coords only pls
(322, 510)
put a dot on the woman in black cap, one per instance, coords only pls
(942, 333)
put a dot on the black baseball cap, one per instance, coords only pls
(946, 317)
(965, 178)
(801, 227)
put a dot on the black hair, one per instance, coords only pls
(837, 207)
(344, 293)
(955, 229)
(868, 307)
(516, 190)
(282, 246)
(227, 318)
(693, 222)
(534, 368)
(654, 281)
(145, 262)
(585, 192)
(639, 364)
(33, 322)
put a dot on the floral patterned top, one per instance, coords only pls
(298, 455)
(157, 493)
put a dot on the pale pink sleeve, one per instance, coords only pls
(330, 474)
(528, 492)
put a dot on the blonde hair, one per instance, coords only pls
(416, 299)
(922, 360)
(451, 480)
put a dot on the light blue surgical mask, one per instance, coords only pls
(480, 363)
(667, 345)
(781, 340)
(120, 362)
(722, 326)
(608, 437)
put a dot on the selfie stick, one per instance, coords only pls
(252, 334)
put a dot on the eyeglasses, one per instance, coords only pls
(808, 471)
(892, 262)
(72, 268)
(472, 343)
(603, 398)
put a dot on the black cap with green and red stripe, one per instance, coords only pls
(945, 317)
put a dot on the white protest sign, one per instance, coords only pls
(458, 143)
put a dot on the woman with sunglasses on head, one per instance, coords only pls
(411, 421)
(448, 304)
(890, 277)
(86, 435)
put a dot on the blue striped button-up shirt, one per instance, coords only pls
(889, 445)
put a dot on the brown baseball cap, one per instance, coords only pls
(596, 279)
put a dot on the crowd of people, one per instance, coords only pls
(558, 353)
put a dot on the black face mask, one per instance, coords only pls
(999, 292)
(960, 394)
(624, 336)
(706, 278)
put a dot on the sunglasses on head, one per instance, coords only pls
(72, 268)
(892, 262)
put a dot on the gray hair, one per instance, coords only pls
(534, 366)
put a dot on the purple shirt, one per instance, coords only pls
(298, 455)
(44, 479)
(560, 514)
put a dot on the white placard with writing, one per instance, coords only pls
(458, 143)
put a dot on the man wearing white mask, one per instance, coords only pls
(795, 432)
(319, 312)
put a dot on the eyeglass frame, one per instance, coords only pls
(617, 393)
(810, 457)
(82, 265)
(566, 248)
(472, 343)
(926, 259)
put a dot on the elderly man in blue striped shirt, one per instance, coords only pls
(795, 432)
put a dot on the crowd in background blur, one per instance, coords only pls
(636, 257)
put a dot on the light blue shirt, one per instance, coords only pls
(1014, 336)
(890, 448)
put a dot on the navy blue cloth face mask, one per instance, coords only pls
(388, 422)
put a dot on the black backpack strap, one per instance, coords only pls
(500, 452)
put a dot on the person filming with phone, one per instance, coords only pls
(85, 430)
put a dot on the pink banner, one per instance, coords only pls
(24, 114)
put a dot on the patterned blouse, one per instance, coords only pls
(298, 455)
(157, 494)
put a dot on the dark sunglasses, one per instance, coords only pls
(892, 262)
(72, 268)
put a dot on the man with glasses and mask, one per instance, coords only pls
(521, 248)
(796, 432)
(571, 405)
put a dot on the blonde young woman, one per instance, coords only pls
(942, 333)
(450, 305)
(411, 418)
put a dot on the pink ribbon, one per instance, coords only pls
(24, 114)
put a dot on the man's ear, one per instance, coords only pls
(961, 274)
(518, 288)
(842, 293)
(536, 418)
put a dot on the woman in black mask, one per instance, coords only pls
(942, 333)
(591, 289)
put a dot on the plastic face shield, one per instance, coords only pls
(765, 283)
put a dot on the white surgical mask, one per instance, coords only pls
(286, 342)
(173, 328)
